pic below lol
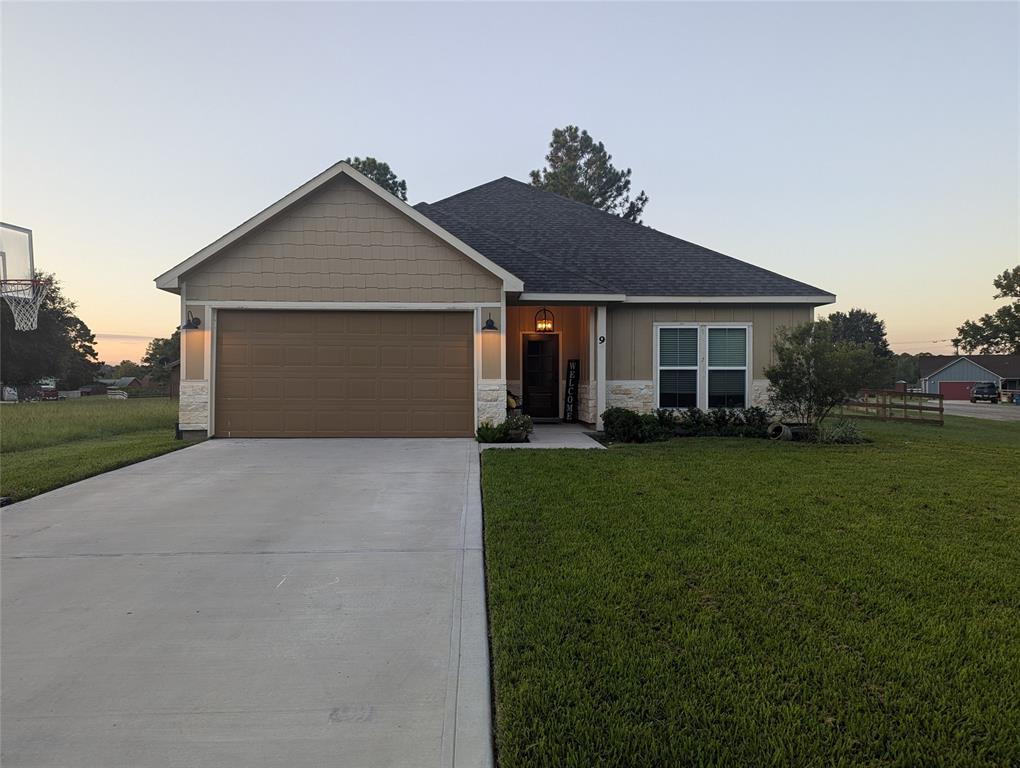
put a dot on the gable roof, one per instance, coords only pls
(558, 245)
(170, 280)
(1006, 366)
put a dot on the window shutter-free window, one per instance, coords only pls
(726, 389)
(727, 347)
(727, 367)
(678, 347)
(678, 389)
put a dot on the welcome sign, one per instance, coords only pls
(570, 392)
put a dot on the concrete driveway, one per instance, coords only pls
(251, 603)
(994, 412)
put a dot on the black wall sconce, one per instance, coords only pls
(490, 324)
(544, 321)
(191, 324)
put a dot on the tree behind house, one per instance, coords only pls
(62, 346)
(380, 173)
(159, 354)
(580, 168)
(997, 333)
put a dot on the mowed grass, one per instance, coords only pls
(47, 445)
(741, 602)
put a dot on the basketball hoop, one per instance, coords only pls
(24, 297)
(19, 286)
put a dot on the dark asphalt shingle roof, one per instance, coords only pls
(1007, 366)
(557, 245)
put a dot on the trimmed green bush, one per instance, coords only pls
(626, 426)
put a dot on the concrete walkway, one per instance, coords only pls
(251, 603)
(554, 435)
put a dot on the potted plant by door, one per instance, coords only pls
(518, 428)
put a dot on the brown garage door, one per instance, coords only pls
(344, 374)
(956, 390)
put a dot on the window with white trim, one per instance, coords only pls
(678, 368)
(702, 365)
(727, 367)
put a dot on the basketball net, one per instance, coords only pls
(24, 297)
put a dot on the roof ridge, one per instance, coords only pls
(466, 191)
(651, 229)
(524, 248)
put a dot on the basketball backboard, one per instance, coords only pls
(16, 259)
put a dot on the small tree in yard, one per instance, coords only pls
(813, 374)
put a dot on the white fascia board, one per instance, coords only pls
(354, 306)
(826, 298)
(592, 297)
(168, 280)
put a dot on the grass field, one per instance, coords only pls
(739, 602)
(49, 444)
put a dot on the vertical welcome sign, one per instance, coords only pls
(570, 391)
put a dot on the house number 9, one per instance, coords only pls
(602, 339)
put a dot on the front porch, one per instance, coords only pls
(548, 357)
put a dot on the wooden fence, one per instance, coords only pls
(893, 405)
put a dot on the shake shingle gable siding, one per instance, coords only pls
(559, 245)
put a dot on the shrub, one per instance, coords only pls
(725, 422)
(626, 426)
(842, 432)
(652, 429)
(488, 432)
(814, 373)
(621, 424)
(515, 429)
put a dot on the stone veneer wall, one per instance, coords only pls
(586, 402)
(760, 392)
(637, 395)
(194, 405)
(640, 395)
(492, 401)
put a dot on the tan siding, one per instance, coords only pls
(629, 356)
(342, 244)
(194, 346)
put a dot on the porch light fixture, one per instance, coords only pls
(544, 321)
(191, 324)
(490, 324)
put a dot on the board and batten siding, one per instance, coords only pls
(630, 327)
(341, 243)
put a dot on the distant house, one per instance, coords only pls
(954, 376)
(124, 382)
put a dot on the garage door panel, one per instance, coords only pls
(332, 354)
(394, 357)
(330, 389)
(299, 354)
(267, 354)
(363, 323)
(284, 373)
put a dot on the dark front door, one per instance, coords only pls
(541, 375)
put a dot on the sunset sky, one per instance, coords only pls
(870, 149)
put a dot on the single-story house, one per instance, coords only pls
(123, 382)
(341, 310)
(954, 376)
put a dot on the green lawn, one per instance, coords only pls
(739, 602)
(46, 445)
